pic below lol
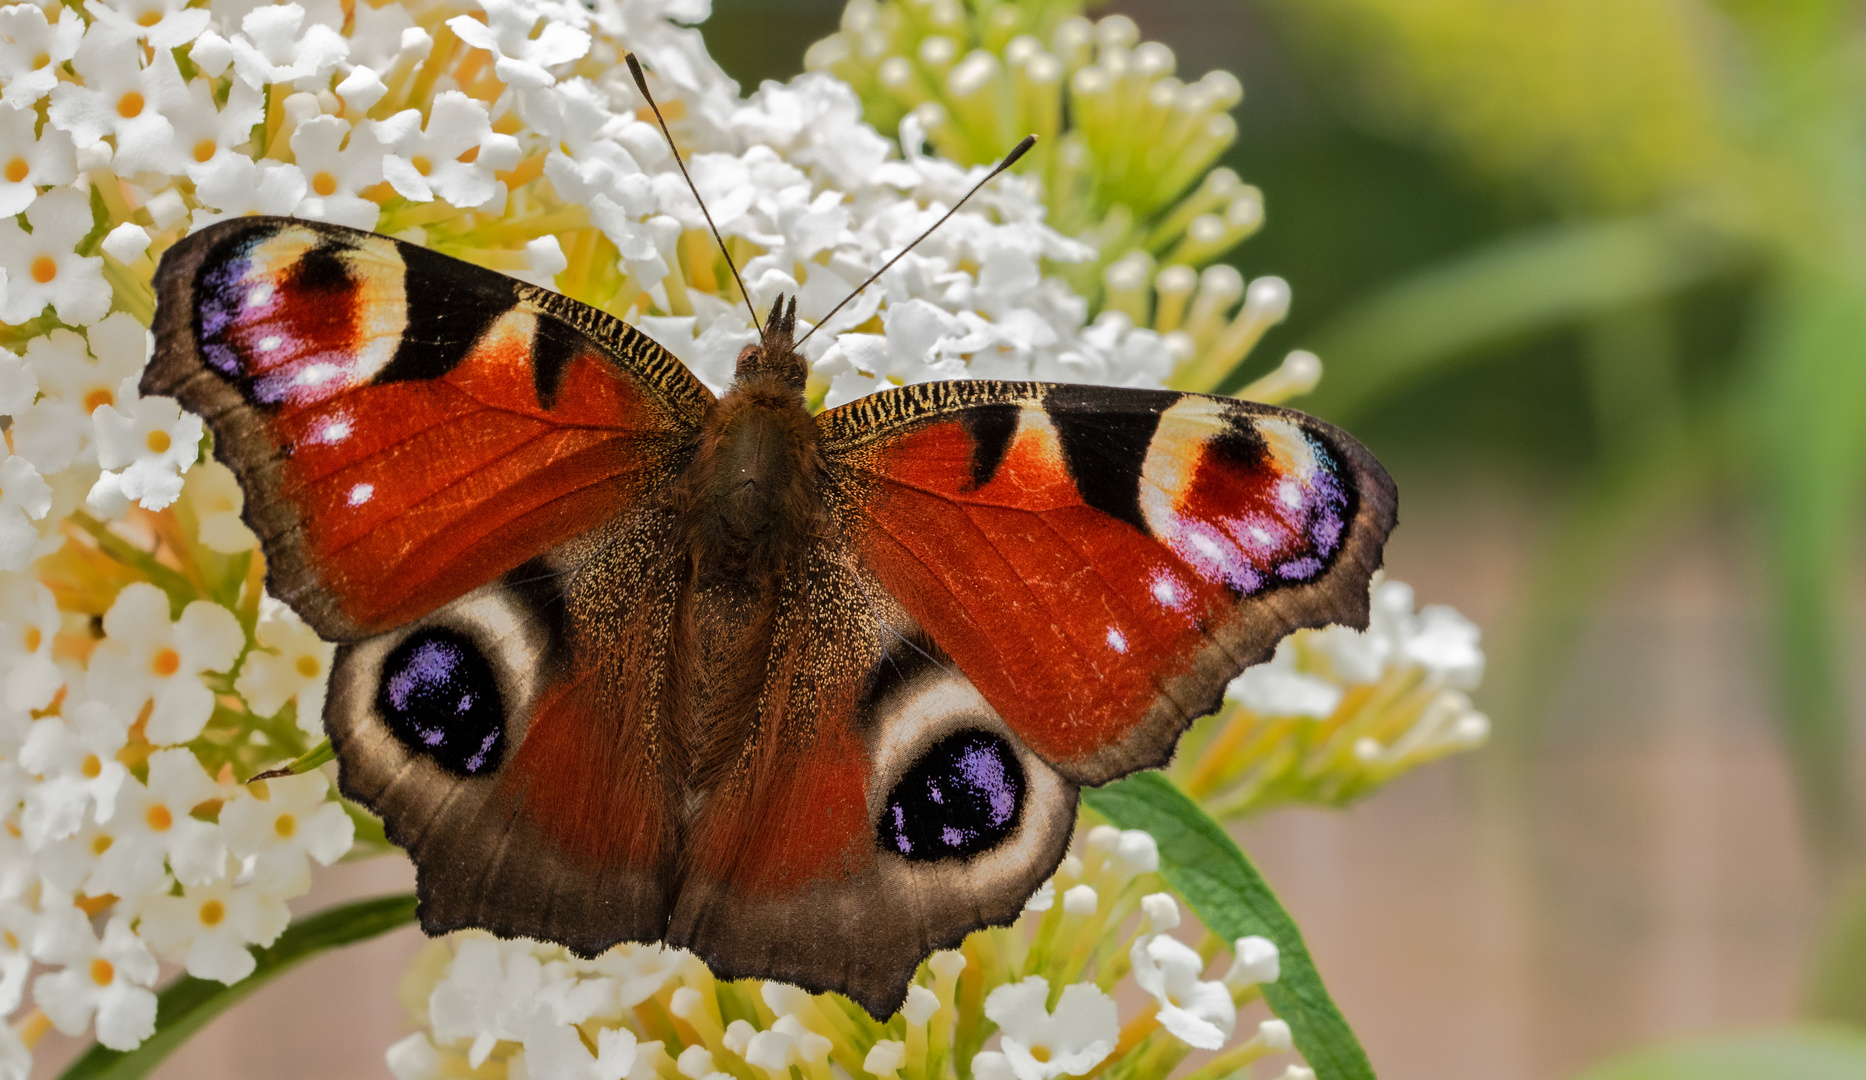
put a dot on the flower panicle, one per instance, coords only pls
(1031, 1001)
(1125, 148)
(1336, 714)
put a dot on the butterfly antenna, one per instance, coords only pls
(1010, 159)
(641, 83)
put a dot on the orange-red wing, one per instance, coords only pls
(1101, 562)
(407, 426)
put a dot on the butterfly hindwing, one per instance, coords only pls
(1100, 562)
(407, 426)
(515, 743)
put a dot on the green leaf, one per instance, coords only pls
(186, 1005)
(1206, 867)
(1808, 1053)
(1515, 286)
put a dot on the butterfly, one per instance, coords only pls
(808, 695)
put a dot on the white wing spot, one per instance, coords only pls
(270, 342)
(1291, 494)
(361, 494)
(1117, 641)
(1166, 592)
(259, 294)
(333, 431)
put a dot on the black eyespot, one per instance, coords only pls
(440, 698)
(962, 797)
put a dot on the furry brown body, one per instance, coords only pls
(753, 513)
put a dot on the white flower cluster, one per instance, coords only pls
(1336, 713)
(642, 1012)
(1434, 653)
(113, 821)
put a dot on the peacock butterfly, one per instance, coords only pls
(810, 696)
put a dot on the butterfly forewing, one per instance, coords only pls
(408, 427)
(1101, 562)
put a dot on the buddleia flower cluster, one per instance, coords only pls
(1031, 1001)
(1125, 155)
(1336, 713)
(146, 678)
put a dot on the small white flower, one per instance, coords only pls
(335, 170)
(640, 971)
(145, 657)
(78, 766)
(558, 1051)
(209, 926)
(520, 59)
(122, 100)
(1039, 1044)
(29, 620)
(109, 979)
(292, 661)
(30, 161)
(426, 162)
(57, 430)
(159, 817)
(43, 266)
(236, 184)
(24, 498)
(293, 820)
(493, 991)
(164, 24)
(33, 48)
(1254, 960)
(275, 46)
(17, 924)
(1199, 1013)
(207, 135)
(214, 493)
(126, 242)
(152, 445)
(1277, 688)
(886, 1057)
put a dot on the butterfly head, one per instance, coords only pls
(775, 358)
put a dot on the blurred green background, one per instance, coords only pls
(1590, 276)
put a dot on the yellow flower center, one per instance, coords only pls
(1040, 1052)
(96, 398)
(34, 638)
(130, 105)
(158, 441)
(212, 912)
(92, 767)
(159, 818)
(285, 825)
(422, 164)
(205, 149)
(102, 973)
(41, 60)
(44, 269)
(101, 844)
(149, 18)
(308, 666)
(324, 184)
(16, 170)
(166, 662)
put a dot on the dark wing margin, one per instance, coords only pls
(407, 426)
(1100, 562)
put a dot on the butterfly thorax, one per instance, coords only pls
(750, 495)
